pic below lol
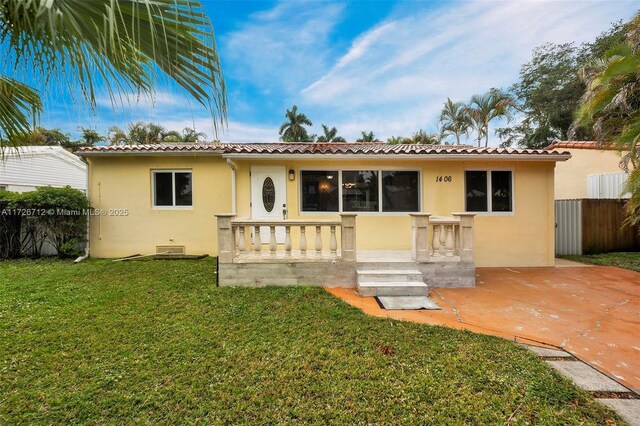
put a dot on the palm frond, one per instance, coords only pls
(19, 104)
(122, 43)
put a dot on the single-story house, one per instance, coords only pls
(593, 171)
(315, 213)
(28, 167)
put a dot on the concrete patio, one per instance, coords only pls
(592, 312)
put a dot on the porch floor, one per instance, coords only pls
(364, 256)
(383, 256)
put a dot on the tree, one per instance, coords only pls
(90, 137)
(330, 135)
(41, 137)
(123, 44)
(419, 137)
(454, 120)
(191, 135)
(367, 137)
(549, 90)
(611, 107)
(140, 133)
(293, 129)
(485, 108)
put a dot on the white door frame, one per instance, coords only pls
(279, 176)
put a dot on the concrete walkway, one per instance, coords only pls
(591, 312)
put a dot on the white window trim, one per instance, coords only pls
(173, 185)
(379, 170)
(490, 211)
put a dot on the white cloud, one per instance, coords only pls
(283, 48)
(396, 76)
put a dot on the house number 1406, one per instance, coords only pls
(443, 179)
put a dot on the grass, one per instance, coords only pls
(157, 342)
(625, 260)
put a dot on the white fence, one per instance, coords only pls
(568, 226)
(606, 185)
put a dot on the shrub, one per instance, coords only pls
(29, 219)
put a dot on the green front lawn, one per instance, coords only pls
(157, 342)
(626, 260)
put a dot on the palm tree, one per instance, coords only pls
(191, 135)
(454, 120)
(485, 108)
(293, 129)
(419, 137)
(330, 135)
(422, 137)
(147, 133)
(611, 107)
(122, 44)
(367, 137)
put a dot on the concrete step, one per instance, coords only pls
(368, 266)
(386, 275)
(393, 288)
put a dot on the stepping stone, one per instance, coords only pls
(548, 353)
(586, 377)
(628, 409)
(406, 302)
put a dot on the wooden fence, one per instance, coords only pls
(589, 226)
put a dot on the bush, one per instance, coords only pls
(29, 219)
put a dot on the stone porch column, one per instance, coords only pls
(348, 237)
(420, 251)
(226, 238)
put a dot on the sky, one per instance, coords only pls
(381, 66)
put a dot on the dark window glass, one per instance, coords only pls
(164, 189)
(501, 191)
(400, 192)
(476, 191)
(319, 191)
(183, 188)
(360, 191)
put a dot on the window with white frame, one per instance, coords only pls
(172, 188)
(489, 191)
(360, 191)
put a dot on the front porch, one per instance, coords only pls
(324, 253)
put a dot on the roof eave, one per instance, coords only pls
(147, 153)
(440, 157)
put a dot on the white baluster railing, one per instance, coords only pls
(439, 238)
(240, 240)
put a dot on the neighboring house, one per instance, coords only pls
(28, 167)
(353, 200)
(593, 171)
(590, 206)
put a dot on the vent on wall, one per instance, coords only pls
(170, 250)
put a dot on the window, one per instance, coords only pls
(3, 187)
(360, 191)
(320, 191)
(172, 189)
(400, 192)
(477, 195)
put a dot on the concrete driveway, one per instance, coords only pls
(592, 312)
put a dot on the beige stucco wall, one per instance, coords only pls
(499, 237)
(571, 175)
(522, 238)
(125, 183)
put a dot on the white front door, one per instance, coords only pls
(269, 197)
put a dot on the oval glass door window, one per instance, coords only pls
(268, 194)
